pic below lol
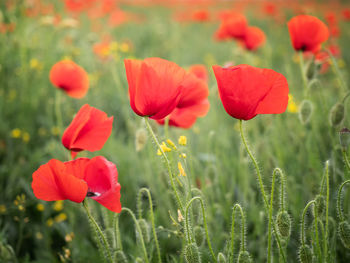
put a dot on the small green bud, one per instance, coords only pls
(305, 254)
(336, 115)
(244, 257)
(320, 205)
(283, 224)
(6, 252)
(306, 110)
(199, 235)
(192, 253)
(120, 257)
(221, 258)
(344, 233)
(139, 260)
(344, 138)
(145, 229)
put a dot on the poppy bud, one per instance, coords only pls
(192, 253)
(120, 257)
(344, 233)
(221, 258)
(6, 252)
(306, 109)
(320, 204)
(283, 223)
(305, 254)
(336, 115)
(145, 229)
(344, 138)
(199, 235)
(140, 139)
(244, 257)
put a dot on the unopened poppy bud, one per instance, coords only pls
(221, 258)
(6, 252)
(140, 139)
(306, 110)
(305, 254)
(344, 138)
(192, 253)
(145, 229)
(244, 257)
(344, 233)
(336, 115)
(199, 235)
(320, 205)
(283, 223)
(120, 257)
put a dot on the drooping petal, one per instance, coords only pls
(194, 90)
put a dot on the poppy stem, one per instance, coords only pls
(98, 230)
(325, 245)
(242, 248)
(167, 163)
(303, 222)
(303, 73)
(339, 205)
(166, 127)
(58, 112)
(262, 190)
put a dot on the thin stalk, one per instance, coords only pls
(233, 231)
(346, 159)
(318, 247)
(303, 220)
(302, 71)
(269, 239)
(339, 205)
(167, 163)
(140, 232)
(189, 236)
(58, 112)
(117, 232)
(325, 240)
(166, 127)
(98, 230)
(152, 220)
(262, 190)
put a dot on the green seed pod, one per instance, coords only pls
(344, 138)
(320, 205)
(221, 258)
(192, 253)
(244, 257)
(305, 254)
(119, 257)
(344, 233)
(145, 229)
(283, 224)
(306, 110)
(140, 139)
(336, 115)
(199, 235)
(311, 70)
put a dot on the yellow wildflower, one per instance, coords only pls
(171, 143)
(183, 155)
(3, 209)
(49, 222)
(69, 237)
(181, 169)
(58, 205)
(61, 217)
(25, 137)
(124, 47)
(40, 207)
(38, 235)
(164, 147)
(292, 106)
(182, 140)
(16, 133)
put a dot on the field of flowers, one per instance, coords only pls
(174, 131)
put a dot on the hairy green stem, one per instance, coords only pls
(318, 247)
(117, 232)
(98, 230)
(139, 230)
(152, 219)
(237, 206)
(339, 205)
(325, 240)
(346, 159)
(337, 71)
(58, 112)
(167, 163)
(302, 71)
(262, 189)
(303, 221)
(189, 235)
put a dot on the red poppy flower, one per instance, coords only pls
(346, 14)
(200, 71)
(154, 86)
(233, 25)
(96, 178)
(254, 38)
(307, 33)
(70, 77)
(246, 91)
(89, 130)
(193, 103)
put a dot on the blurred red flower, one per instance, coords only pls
(200, 71)
(346, 14)
(193, 103)
(254, 38)
(233, 25)
(246, 91)
(96, 178)
(89, 130)
(307, 33)
(154, 86)
(70, 77)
